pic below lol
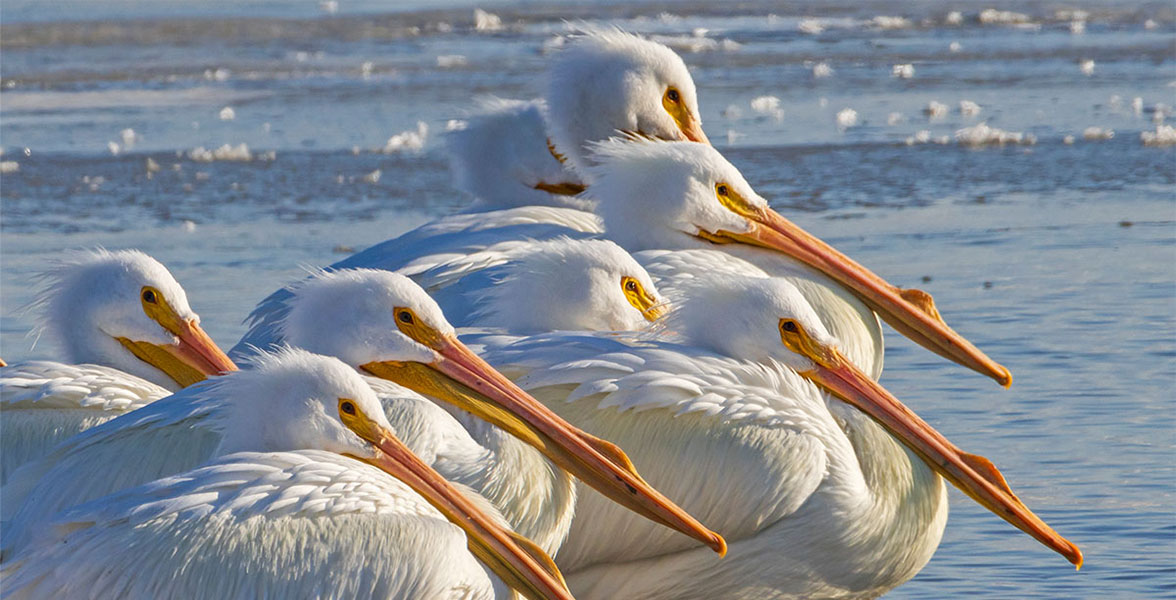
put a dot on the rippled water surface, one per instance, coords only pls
(1057, 257)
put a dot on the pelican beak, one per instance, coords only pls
(462, 378)
(691, 128)
(516, 560)
(911, 312)
(193, 357)
(975, 475)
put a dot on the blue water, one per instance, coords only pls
(1057, 258)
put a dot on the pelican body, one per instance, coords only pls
(605, 82)
(297, 502)
(129, 337)
(743, 409)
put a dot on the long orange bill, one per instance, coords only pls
(197, 349)
(911, 312)
(519, 562)
(473, 385)
(692, 130)
(193, 358)
(975, 475)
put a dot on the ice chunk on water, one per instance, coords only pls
(846, 118)
(410, 140)
(903, 71)
(768, 105)
(1164, 135)
(935, 110)
(983, 135)
(485, 21)
(1098, 133)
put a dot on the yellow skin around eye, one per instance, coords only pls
(163, 358)
(676, 108)
(731, 199)
(642, 300)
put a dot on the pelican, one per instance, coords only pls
(410, 343)
(124, 325)
(745, 411)
(654, 197)
(334, 313)
(296, 503)
(534, 152)
(523, 286)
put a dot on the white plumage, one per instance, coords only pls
(816, 498)
(502, 159)
(281, 525)
(92, 309)
(381, 323)
(281, 513)
(604, 83)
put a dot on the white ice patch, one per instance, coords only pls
(983, 135)
(846, 118)
(411, 141)
(935, 110)
(484, 21)
(1164, 135)
(448, 61)
(768, 105)
(903, 71)
(238, 153)
(1098, 133)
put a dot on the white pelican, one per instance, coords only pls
(297, 504)
(823, 484)
(686, 196)
(521, 287)
(123, 323)
(410, 343)
(605, 82)
(334, 313)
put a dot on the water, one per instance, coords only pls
(1058, 259)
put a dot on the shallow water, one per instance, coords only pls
(1058, 259)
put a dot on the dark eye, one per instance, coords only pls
(149, 296)
(347, 408)
(405, 317)
(789, 326)
(631, 285)
(673, 95)
(722, 189)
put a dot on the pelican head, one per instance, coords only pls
(683, 195)
(611, 81)
(387, 326)
(762, 319)
(123, 309)
(565, 284)
(295, 400)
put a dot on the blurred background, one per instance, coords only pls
(1014, 159)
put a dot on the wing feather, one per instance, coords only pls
(279, 525)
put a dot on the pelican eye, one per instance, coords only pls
(149, 296)
(673, 96)
(630, 285)
(405, 317)
(722, 190)
(789, 326)
(347, 407)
